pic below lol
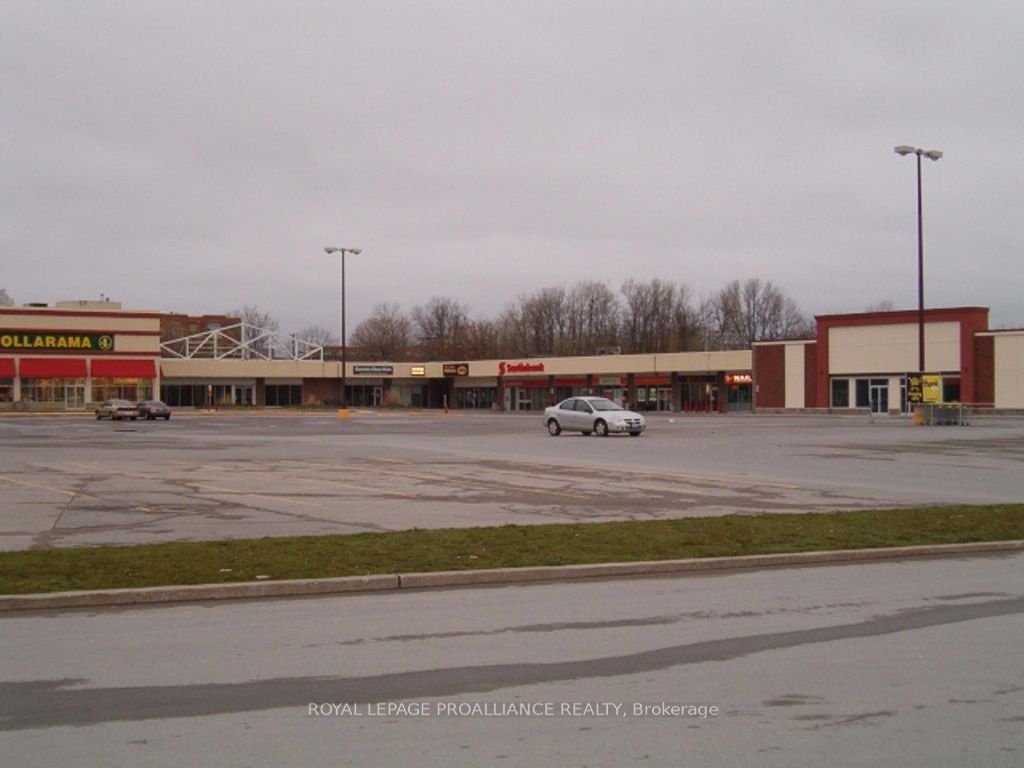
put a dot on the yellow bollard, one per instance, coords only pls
(343, 413)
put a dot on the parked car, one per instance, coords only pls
(597, 415)
(115, 410)
(154, 409)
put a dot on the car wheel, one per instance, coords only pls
(600, 428)
(167, 417)
(587, 433)
(98, 417)
(554, 428)
(133, 418)
(150, 417)
(634, 434)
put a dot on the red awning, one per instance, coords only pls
(7, 367)
(129, 369)
(52, 368)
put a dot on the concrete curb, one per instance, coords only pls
(393, 582)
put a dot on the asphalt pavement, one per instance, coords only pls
(912, 663)
(71, 481)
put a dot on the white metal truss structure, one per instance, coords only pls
(242, 341)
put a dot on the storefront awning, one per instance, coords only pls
(52, 368)
(127, 369)
(6, 368)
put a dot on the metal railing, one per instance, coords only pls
(241, 341)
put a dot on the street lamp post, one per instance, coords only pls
(344, 342)
(931, 154)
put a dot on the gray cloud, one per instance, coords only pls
(198, 156)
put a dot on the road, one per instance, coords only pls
(910, 663)
(72, 481)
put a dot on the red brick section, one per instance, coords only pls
(769, 376)
(984, 370)
(320, 391)
(810, 393)
(971, 319)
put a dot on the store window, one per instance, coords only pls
(283, 394)
(6, 390)
(863, 393)
(121, 389)
(840, 393)
(184, 395)
(475, 397)
(951, 390)
(67, 392)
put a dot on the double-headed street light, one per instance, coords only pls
(931, 154)
(344, 342)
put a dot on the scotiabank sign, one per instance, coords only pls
(504, 368)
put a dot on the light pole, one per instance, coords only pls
(931, 154)
(344, 342)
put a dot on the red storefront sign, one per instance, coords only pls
(52, 368)
(580, 382)
(6, 368)
(526, 382)
(123, 369)
(504, 368)
(648, 381)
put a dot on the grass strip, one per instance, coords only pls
(452, 549)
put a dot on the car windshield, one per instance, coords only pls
(605, 405)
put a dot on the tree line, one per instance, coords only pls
(589, 318)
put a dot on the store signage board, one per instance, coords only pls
(34, 341)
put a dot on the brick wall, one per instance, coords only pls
(984, 369)
(810, 377)
(769, 376)
(320, 391)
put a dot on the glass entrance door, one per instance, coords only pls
(74, 396)
(878, 392)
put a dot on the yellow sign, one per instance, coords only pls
(931, 389)
(36, 340)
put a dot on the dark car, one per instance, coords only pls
(115, 410)
(154, 409)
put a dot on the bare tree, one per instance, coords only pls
(742, 313)
(544, 321)
(252, 315)
(441, 326)
(481, 340)
(593, 317)
(5, 300)
(385, 335)
(512, 332)
(658, 317)
(318, 335)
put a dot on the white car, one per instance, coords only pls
(597, 415)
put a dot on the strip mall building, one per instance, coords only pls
(75, 354)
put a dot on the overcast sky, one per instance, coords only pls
(195, 157)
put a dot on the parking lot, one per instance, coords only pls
(70, 480)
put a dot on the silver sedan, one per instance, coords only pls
(597, 415)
